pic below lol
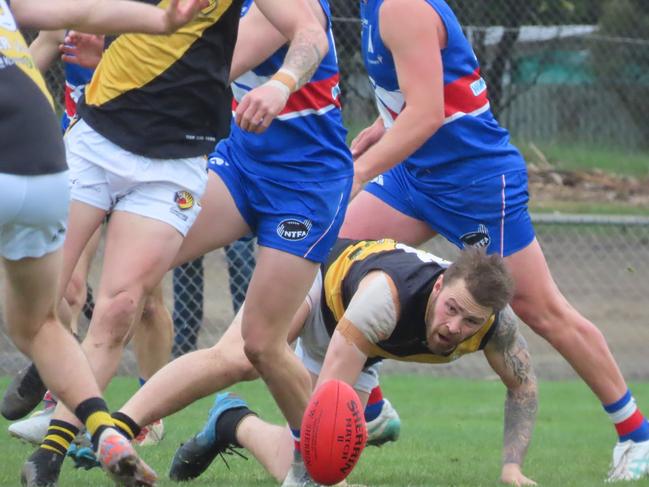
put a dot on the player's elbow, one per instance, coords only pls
(433, 122)
(426, 120)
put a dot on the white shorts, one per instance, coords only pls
(33, 214)
(108, 177)
(313, 341)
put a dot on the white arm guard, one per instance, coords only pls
(372, 309)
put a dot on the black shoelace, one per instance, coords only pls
(231, 450)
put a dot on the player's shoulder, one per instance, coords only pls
(506, 329)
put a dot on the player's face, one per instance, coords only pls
(452, 316)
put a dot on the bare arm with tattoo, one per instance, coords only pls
(302, 23)
(509, 356)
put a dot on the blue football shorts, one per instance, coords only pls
(298, 217)
(489, 211)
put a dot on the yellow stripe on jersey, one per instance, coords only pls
(14, 50)
(148, 55)
(338, 269)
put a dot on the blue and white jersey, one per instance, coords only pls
(470, 135)
(76, 79)
(307, 140)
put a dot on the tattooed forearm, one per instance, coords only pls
(509, 355)
(518, 362)
(520, 415)
(305, 53)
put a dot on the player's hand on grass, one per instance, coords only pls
(367, 138)
(511, 475)
(82, 49)
(179, 13)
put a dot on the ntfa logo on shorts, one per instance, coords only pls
(184, 200)
(479, 238)
(294, 229)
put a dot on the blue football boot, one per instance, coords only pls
(194, 456)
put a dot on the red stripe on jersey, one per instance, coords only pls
(460, 98)
(630, 424)
(312, 96)
(70, 104)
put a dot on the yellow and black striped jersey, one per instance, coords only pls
(414, 273)
(30, 138)
(167, 96)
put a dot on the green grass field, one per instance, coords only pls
(451, 436)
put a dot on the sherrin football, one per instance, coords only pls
(333, 432)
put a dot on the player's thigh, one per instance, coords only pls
(537, 298)
(31, 291)
(75, 291)
(90, 194)
(138, 252)
(32, 229)
(278, 287)
(490, 212)
(33, 214)
(229, 349)
(218, 224)
(88, 254)
(383, 210)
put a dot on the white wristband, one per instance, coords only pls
(281, 86)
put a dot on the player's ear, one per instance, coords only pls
(439, 283)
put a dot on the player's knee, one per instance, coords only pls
(75, 291)
(244, 369)
(24, 334)
(152, 307)
(258, 351)
(115, 315)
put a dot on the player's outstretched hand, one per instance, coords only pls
(82, 49)
(179, 12)
(367, 138)
(512, 475)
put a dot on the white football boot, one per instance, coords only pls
(33, 429)
(630, 461)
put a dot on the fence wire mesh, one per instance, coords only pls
(558, 71)
(600, 263)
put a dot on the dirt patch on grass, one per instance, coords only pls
(548, 184)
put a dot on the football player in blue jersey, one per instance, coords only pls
(436, 161)
(137, 152)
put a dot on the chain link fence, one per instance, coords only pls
(600, 263)
(557, 71)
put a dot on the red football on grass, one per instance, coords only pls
(333, 432)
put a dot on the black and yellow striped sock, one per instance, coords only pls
(126, 425)
(59, 436)
(94, 414)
